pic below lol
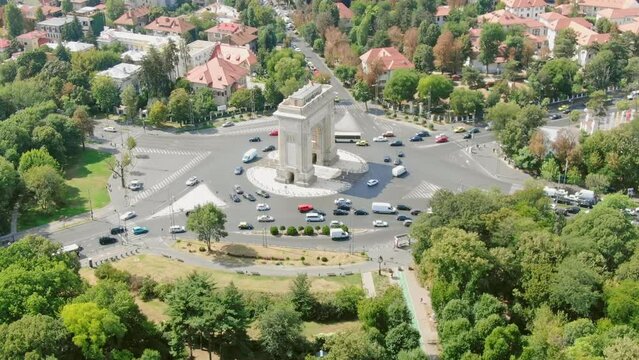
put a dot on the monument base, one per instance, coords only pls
(286, 176)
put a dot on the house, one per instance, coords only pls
(586, 37)
(5, 45)
(165, 25)
(150, 3)
(29, 12)
(32, 40)
(223, 13)
(564, 9)
(53, 26)
(508, 20)
(78, 4)
(234, 34)
(134, 41)
(72, 46)
(496, 67)
(219, 75)
(592, 7)
(133, 18)
(345, 16)
(236, 55)
(442, 14)
(526, 8)
(389, 58)
(123, 75)
(619, 16)
(200, 51)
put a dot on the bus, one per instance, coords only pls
(347, 136)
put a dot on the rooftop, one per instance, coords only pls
(442, 10)
(56, 21)
(110, 35)
(507, 18)
(344, 11)
(618, 13)
(4, 43)
(522, 4)
(73, 46)
(170, 24)
(133, 55)
(121, 71)
(217, 74)
(391, 58)
(129, 18)
(235, 54)
(612, 4)
(35, 34)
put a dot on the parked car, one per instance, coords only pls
(416, 138)
(118, 230)
(380, 223)
(320, 212)
(336, 224)
(110, 129)
(400, 154)
(304, 208)
(228, 124)
(255, 139)
(135, 185)
(474, 130)
(388, 134)
(372, 182)
(573, 210)
(361, 143)
(441, 139)
(274, 133)
(342, 201)
(380, 139)
(403, 218)
(415, 212)
(128, 215)
(238, 189)
(554, 116)
(387, 158)
(262, 207)
(192, 181)
(265, 218)
(234, 198)
(408, 222)
(138, 230)
(106, 240)
(238, 170)
(344, 207)
(176, 229)
(360, 212)
(423, 133)
(340, 212)
(396, 143)
(403, 207)
(244, 226)
(263, 194)
(269, 148)
(248, 196)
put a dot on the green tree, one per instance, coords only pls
(503, 343)
(402, 337)
(119, 165)
(423, 58)
(354, 345)
(10, 183)
(622, 348)
(303, 300)
(39, 15)
(401, 86)
(575, 288)
(550, 170)
(83, 122)
(208, 222)
(266, 39)
(46, 187)
(114, 9)
(362, 92)
(281, 332)
(466, 102)
(13, 20)
(546, 340)
(346, 73)
(565, 43)
(129, 98)
(617, 201)
(501, 114)
(492, 35)
(91, 327)
(72, 31)
(235, 320)
(105, 92)
(156, 69)
(158, 113)
(602, 71)
(37, 157)
(472, 77)
(414, 354)
(203, 104)
(555, 79)
(433, 88)
(180, 106)
(622, 305)
(242, 99)
(67, 6)
(34, 336)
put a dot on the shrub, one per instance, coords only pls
(300, 228)
(291, 231)
(324, 259)
(163, 290)
(202, 249)
(147, 290)
(326, 230)
(317, 227)
(302, 258)
(282, 228)
(308, 231)
(106, 271)
(274, 231)
(344, 227)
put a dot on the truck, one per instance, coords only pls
(383, 208)
(398, 171)
(249, 155)
(339, 234)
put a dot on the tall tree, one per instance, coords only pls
(423, 58)
(46, 186)
(353, 345)
(13, 20)
(180, 106)
(466, 102)
(67, 6)
(362, 92)
(129, 98)
(602, 71)
(433, 88)
(106, 93)
(158, 113)
(114, 9)
(208, 222)
(303, 301)
(492, 35)
(119, 165)
(39, 15)
(10, 185)
(72, 31)
(37, 157)
(91, 327)
(281, 332)
(36, 336)
(448, 52)
(565, 43)
(401, 86)
(83, 122)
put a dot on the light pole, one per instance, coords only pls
(380, 260)
(119, 220)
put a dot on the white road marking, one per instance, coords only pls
(424, 190)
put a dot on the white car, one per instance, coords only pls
(262, 207)
(265, 218)
(228, 124)
(135, 185)
(175, 229)
(110, 129)
(343, 201)
(336, 224)
(192, 181)
(372, 182)
(380, 139)
(128, 215)
(380, 223)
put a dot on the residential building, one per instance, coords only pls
(165, 25)
(134, 41)
(234, 34)
(5, 44)
(151, 3)
(53, 26)
(33, 39)
(200, 51)
(508, 20)
(29, 12)
(133, 18)
(223, 13)
(72, 46)
(526, 8)
(592, 7)
(442, 14)
(236, 55)
(473, 61)
(619, 16)
(78, 4)
(123, 75)
(586, 37)
(219, 75)
(389, 58)
(345, 16)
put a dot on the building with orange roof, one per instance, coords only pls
(233, 34)
(133, 18)
(586, 36)
(165, 25)
(5, 44)
(508, 20)
(563, 9)
(619, 16)
(441, 14)
(526, 8)
(223, 77)
(389, 58)
(201, 51)
(592, 7)
(345, 15)
(632, 27)
(33, 39)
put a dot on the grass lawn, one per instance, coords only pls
(87, 176)
(162, 269)
(155, 309)
(381, 283)
(310, 329)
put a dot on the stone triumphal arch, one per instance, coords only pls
(306, 134)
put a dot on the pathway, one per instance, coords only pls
(419, 304)
(369, 284)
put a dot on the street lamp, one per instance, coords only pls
(117, 212)
(380, 260)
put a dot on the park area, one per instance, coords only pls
(86, 182)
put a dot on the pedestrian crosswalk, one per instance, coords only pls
(424, 190)
(165, 152)
(199, 157)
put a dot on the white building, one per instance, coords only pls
(592, 7)
(123, 74)
(72, 46)
(526, 8)
(134, 41)
(223, 13)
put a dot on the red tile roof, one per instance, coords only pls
(35, 34)
(390, 57)
(236, 55)
(633, 27)
(170, 24)
(130, 17)
(239, 34)
(507, 18)
(564, 9)
(609, 4)
(442, 11)
(522, 4)
(216, 74)
(618, 13)
(344, 11)
(4, 43)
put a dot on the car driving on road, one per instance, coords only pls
(262, 207)
(138, 230)
(263, 194)
(396, 143)
(106, 240)
(128, 215)
(265, 218)
(255, 139)
(192, 181)
(380, 139)
(238, 170)
(244, 226)
(177, 229)
(380, 223)
(372, 182)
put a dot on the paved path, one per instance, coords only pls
(369, 284)
(419, 304)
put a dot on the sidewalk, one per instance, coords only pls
(419, 304)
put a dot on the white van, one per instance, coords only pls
(314, 217)
(383, 208)
(249, 155)
(339, 234)
(398, 170)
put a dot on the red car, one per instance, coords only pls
(441, 139)
(274, 132)
(304, 208)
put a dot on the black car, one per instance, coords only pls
(269, 148)
(423, 133)
(403, 218)
(344, 207)
(415, 212)
(555, 116)
(400, 154)
(320, 212)
(468, 136)
(255, 139)
(263, 194)
(474, 130)
(587, 203)
(235, 198)
(403, 207)
(340, 212)
(360, 212)
(118, 230)
(387, 159)
(396, 143)
(567, 111)
(106, 240)
(248, 196)
(573, 210)
(416, 138)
